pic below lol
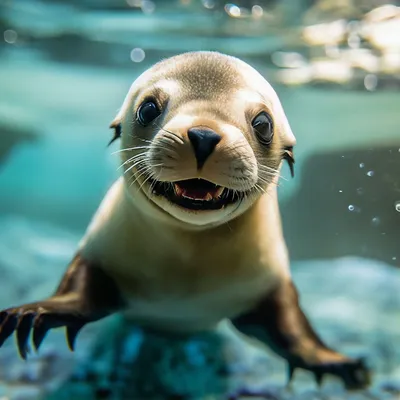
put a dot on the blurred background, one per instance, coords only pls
(65, 67)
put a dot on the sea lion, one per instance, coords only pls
(191, 234)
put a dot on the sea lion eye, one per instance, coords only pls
(263, 127)
(147, 112)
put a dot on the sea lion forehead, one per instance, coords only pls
(201, 74)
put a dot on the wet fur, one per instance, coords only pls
(178, 270)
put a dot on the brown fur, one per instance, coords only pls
(175, 269)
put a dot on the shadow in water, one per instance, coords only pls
(348, 204)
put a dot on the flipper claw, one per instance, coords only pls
(39, 332)
(38, 318)
(22, 333)
(85, 294)
(8, 327)
(291, 371)
(72, 332)
(319, 376)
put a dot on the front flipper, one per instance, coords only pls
(280, 323)
(85, 294)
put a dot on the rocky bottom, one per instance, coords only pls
(353, 303)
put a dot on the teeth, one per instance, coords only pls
(208, 197)
(178, 190)
(219, 192)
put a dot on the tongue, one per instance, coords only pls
(198, 194)
(197, 189)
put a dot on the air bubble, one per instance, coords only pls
(371, 82)
(232, 10)
(353, 208)
(10, 36)
(397, 206)
(370, 173)
(375, 221)
(257, 11)
(361, 165)
(137, 55)
(360, 191)
(210, 4)
(148, 6)
(134, 3)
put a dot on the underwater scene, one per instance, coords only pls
(66, 67)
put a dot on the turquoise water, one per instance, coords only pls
(65, 68)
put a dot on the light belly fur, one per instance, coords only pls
(201, 309)
(185, 281)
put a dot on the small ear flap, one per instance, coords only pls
(289, 157)
(116, 125)
(289, 141)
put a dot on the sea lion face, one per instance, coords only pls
(203, 136)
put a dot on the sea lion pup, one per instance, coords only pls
(191, 233)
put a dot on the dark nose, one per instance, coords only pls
(203, 141)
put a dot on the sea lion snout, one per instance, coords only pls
(204, 140)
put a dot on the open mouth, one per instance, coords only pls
(196, 194)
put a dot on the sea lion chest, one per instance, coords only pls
(192, 285)
(180, 278)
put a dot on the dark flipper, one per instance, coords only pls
(279, 322)
(85, 294)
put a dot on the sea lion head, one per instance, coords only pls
(203, 137)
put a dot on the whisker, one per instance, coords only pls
(272, 172)
(144, 172)
(235, 145)
(136, 163)
(259, 188)
(268, 178)
(143, 140)
(155, 179)
(149, 175)
(131, 148)
(163, 145)
(132, 159)
(170, 132)
(266, 168)
(270, 182)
